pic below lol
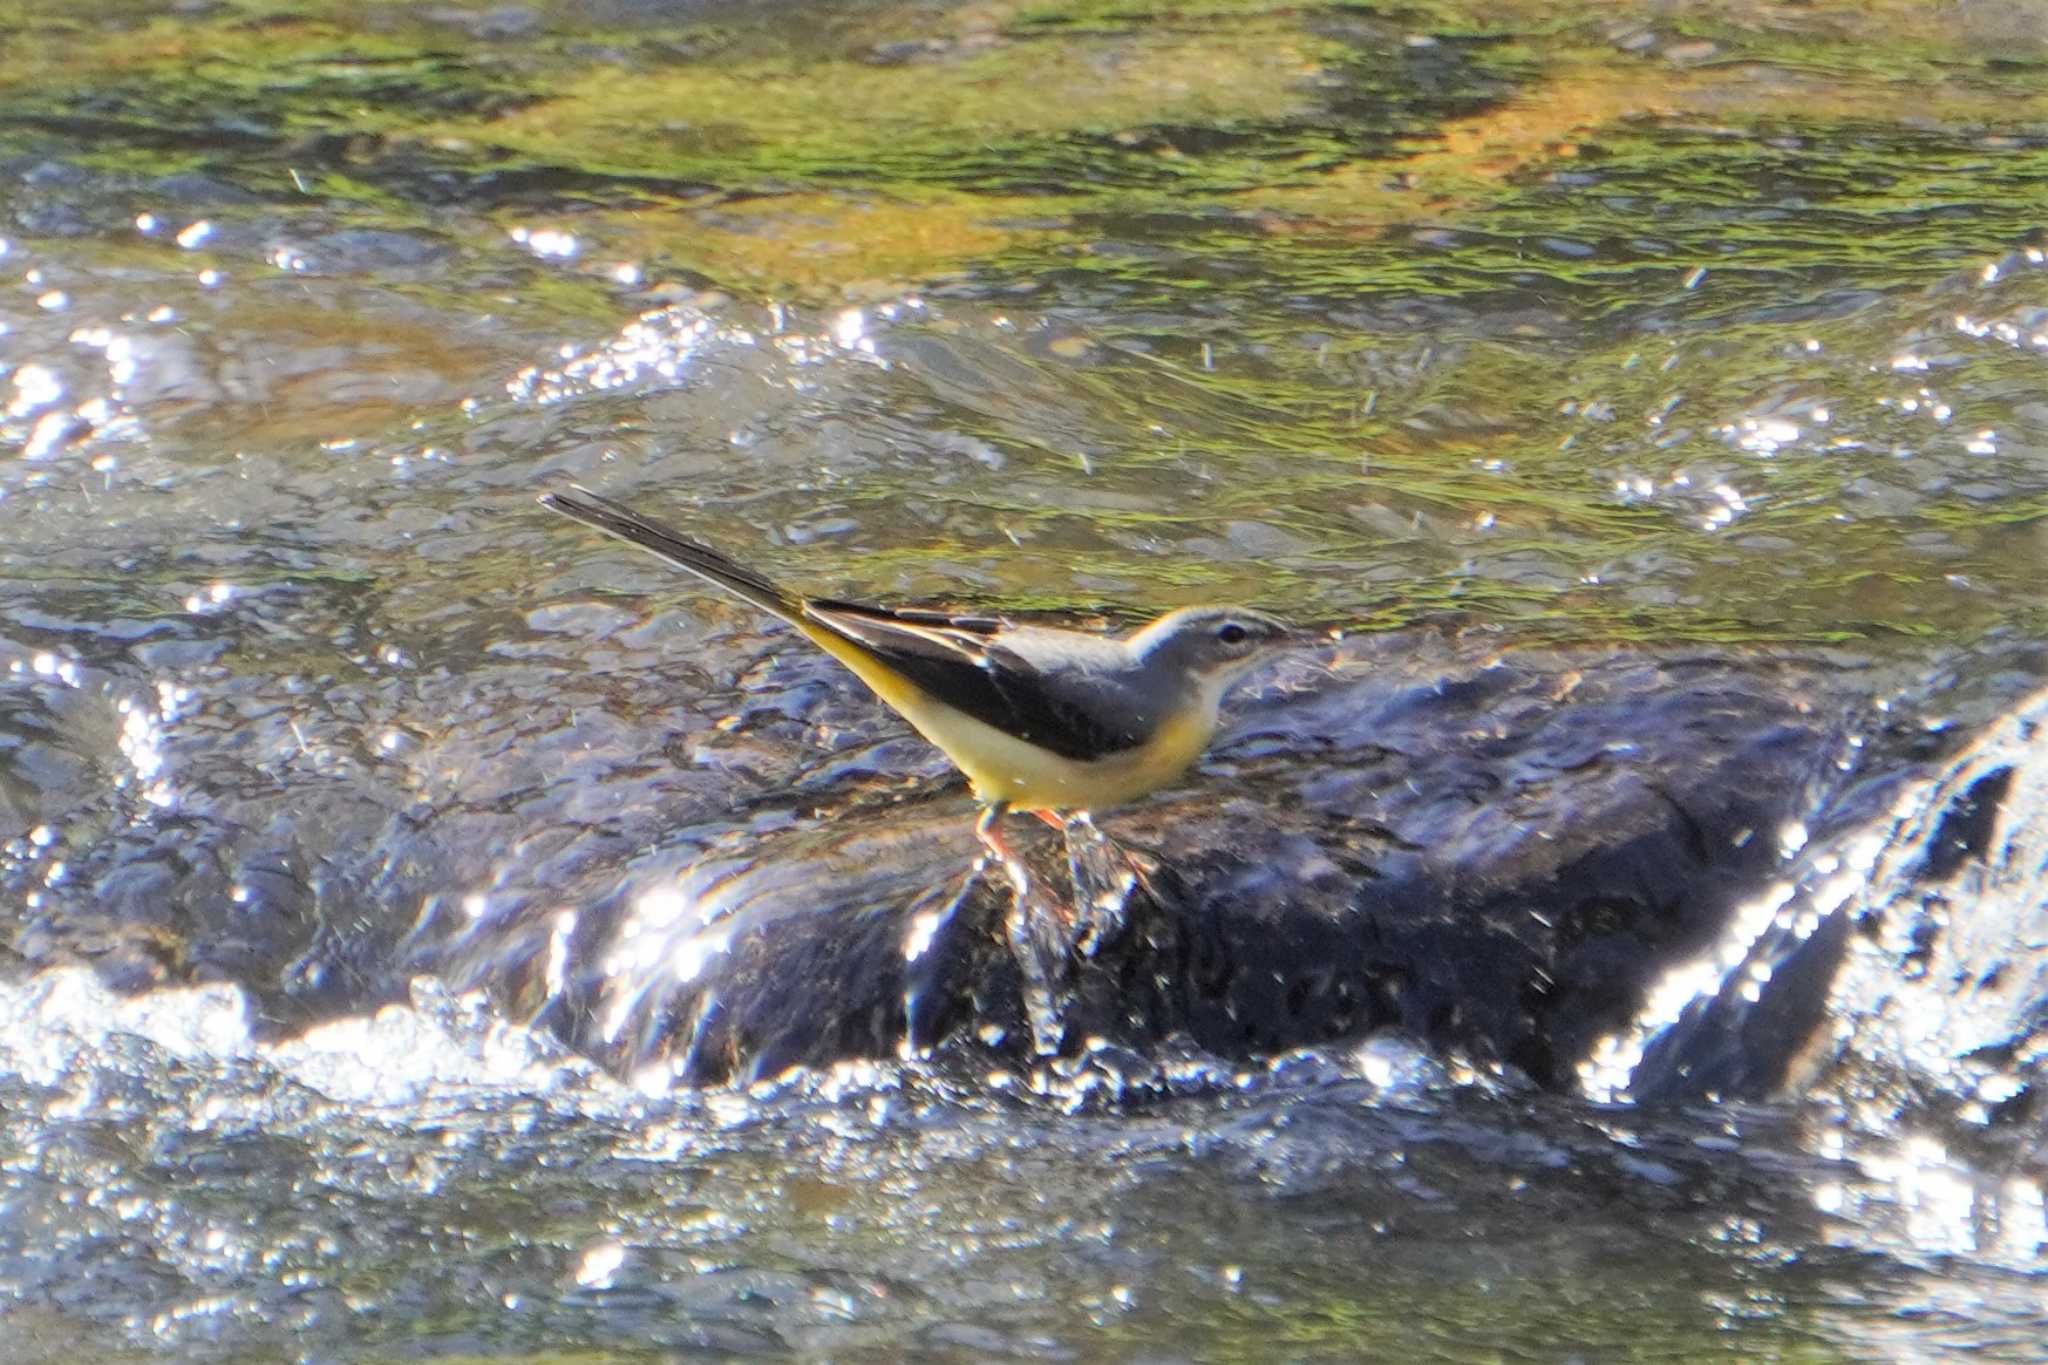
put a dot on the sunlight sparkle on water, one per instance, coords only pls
(211, 598)
(143, 734)
(1939, 1200)
(1762, 435)
(924, 928)
(35, 386)
(119, 348)
(657, 345)
(1608, 1068)
(599, 1264)
(671, 934)
(435, 1042)
(49, 665)
(49, 435)
(192, 234)
(2007, 333)
(561, 935)
(1796, 906)
(550, 243)
(1732, 506)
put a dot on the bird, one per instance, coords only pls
(1041, 719)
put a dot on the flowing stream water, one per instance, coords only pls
(1716, 326)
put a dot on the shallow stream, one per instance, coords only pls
(1708, 325)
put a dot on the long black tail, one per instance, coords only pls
(615, 518)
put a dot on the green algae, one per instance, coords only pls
(1352, 276)
(1251, 109)
(1593, 1309)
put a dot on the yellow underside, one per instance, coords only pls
(1003, 768)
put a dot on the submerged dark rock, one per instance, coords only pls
(1499, 856)
(1667, 877)
(1623, 873)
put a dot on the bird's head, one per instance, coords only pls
(1214, 645)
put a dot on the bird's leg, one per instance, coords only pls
(989, 829)
(1038, 934)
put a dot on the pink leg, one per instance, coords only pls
(989, 829)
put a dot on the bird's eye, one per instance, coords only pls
(1232, 633)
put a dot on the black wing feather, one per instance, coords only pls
(975, 674)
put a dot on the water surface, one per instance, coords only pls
(1719, 326)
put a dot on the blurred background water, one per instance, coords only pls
(1711, 323)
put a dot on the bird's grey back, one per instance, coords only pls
(1101, 687)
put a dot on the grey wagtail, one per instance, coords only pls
(1040, 719)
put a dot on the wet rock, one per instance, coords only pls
(1649, 874)
(1499, 856)
(499, 24)
(1902, 965)
(904, 51)
(51, 174)
(194, 190)
(1656, 877)
(365, 249)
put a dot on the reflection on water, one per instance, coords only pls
(1626, 331)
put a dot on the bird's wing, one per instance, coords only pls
(963, 662)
